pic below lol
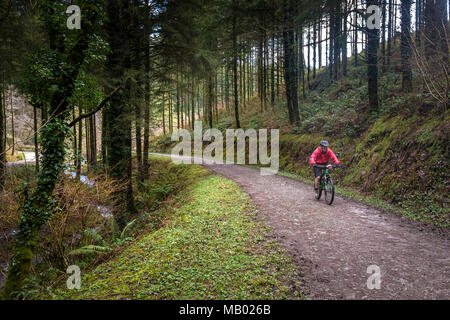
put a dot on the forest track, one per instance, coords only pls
(30, 158)
(334, 245)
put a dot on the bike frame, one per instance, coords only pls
(324, 175)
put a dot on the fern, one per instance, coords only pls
(91, 233)
(128, 228)
(114, 228)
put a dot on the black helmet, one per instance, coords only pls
(324, 143)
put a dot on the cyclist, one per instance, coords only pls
(321, 156)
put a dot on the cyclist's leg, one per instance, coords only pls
(317, 174)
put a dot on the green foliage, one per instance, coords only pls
(166, 178)
(94, 235)
(86, 92)
(162, 144)
(128, 230)
(101, 246)
(90, 249)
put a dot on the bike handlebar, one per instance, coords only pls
(324, 167)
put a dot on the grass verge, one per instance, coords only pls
(210, 247)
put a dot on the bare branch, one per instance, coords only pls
(101, 105)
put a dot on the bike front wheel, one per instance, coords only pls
(329, 191)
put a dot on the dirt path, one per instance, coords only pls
(30, 158)
(334, 245)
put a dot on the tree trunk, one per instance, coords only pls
(390, 27)
(13, 149)
(88, 144)
(192, 103)
(104, 139)
(139, 141)
(260, 73)
(2, 140)
(383, 35)
(355, 48)
(331, 37)
(290, 68)
(320, 42)
(235, 53)
(178, 102)
(418, 23)
(35, 136)
(119, 155)
(79, 146)
(265, 80)
(119, 122)
(93, 140)
(272, 74)
(227, 87)
(163, 111)
(372, 63)
(75, 139)
(314, 49)
(405, 48)
(344, 40)
(302, 63)
(278, 64)
(145, 163)
(309, 57)
(442, 31)
(337, 35)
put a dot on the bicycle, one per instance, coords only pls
(326, 184)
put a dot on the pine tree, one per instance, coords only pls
(406, 45)
(372, 63)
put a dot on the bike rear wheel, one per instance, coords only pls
(329, 191)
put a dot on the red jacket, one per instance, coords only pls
(322, 158)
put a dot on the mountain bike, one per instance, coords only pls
(326, 184)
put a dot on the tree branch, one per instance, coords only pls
(101, 105)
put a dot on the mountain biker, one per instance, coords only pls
(321, 156)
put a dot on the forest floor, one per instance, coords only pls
(335, 245)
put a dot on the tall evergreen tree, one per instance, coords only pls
(290, 68)
(119, 36)
(372, 62)
(405, 48)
